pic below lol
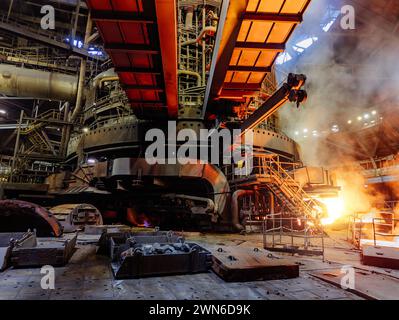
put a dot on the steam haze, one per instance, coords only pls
(347, 75)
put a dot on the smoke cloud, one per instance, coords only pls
(349, 72)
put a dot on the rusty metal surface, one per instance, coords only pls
(45, 252)
(238, 264)
(208, 172)
(77, 216)
(88, 276)
(368, 284)
(380, 256)
(9, 240)
(19, 216)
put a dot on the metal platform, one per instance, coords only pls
(380, 256)
(235, 264)
(368, 284)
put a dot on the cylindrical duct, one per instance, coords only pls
(235, 208)
(22, 82)
(189, 17)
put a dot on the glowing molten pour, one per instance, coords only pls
(335, 210)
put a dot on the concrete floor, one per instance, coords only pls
(88, 276)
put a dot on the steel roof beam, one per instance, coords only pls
(138, 87)
(120, 16)
(137, 70)
(260, 46)
(249, 69)
(167, 32)
(239, 86)
(297, 18)
(24, 33)
(146, 101)
(131, 48)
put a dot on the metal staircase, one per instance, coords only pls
(37, 141)
(282, 231)
(287, 189)
(41, 120)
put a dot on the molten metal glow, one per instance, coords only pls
(335, 210)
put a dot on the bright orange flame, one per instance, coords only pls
(335, 209)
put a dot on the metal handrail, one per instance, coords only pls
(281, 231)
(39, 30)
(36, 124)
(375, 233)
(283, 178)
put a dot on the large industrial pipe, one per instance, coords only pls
(207, 31)
(22, 82)
(235, 208)
(82, 72)
(105, 76)
(191, 73)
(189, 17)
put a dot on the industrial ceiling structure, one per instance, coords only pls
(260, 132)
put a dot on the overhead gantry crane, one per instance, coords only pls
(141, 39)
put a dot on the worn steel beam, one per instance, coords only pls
(167, 32)
(236, 94)
(131, 48)
(138, 87)
(146, 101)
(24, 33)
(289, 91)
(226, 37)
(297, 18)
(137, 70)
(12, 126)
(246, 86)
(120, 16)
(260, 46)
(249, 69)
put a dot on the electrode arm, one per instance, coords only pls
(289, 91)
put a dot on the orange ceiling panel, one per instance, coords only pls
(261, 29)
(143, 49)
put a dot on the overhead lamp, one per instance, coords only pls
(3, 111)
(85, 130)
